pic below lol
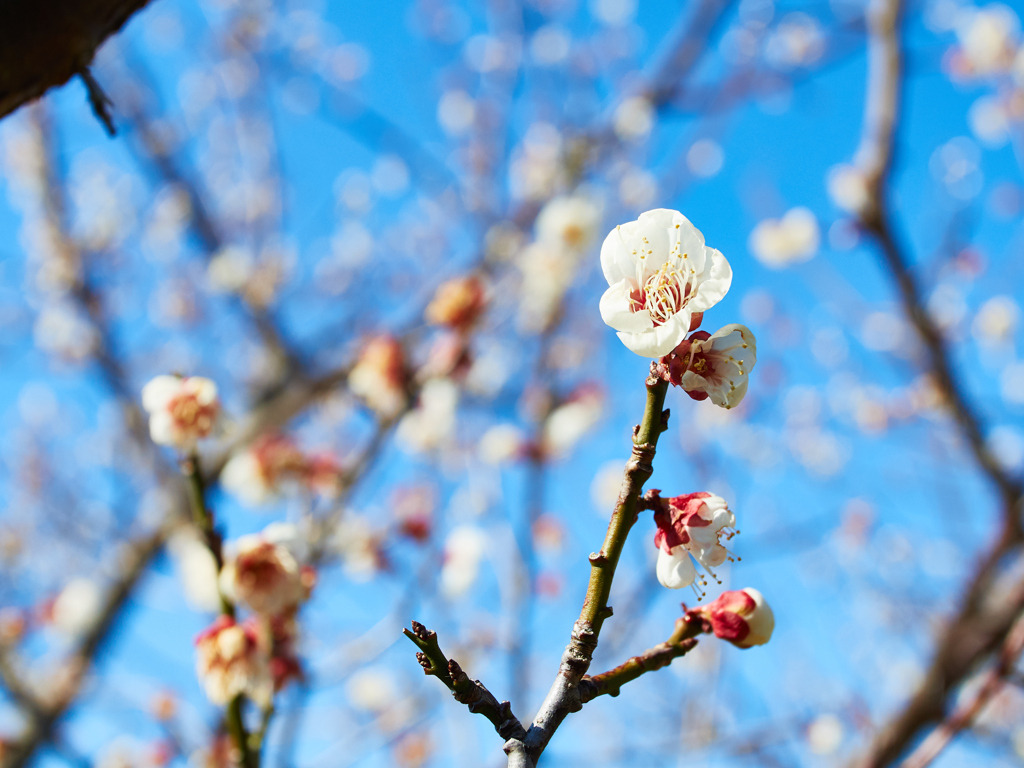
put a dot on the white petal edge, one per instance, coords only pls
(675, 570)
(661, 340)
(616, 313)
(715, 281)
(159, 392)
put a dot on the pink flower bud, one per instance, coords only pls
(458, 303)
(740, 616)
(379, 377)
(230, 661)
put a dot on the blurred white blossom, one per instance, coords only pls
(792, 239)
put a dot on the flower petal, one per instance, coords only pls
(660, 340)
(159, 392)
(615, 310)
(675, 570)
(714, 282)
(616, 261)
(161, 429)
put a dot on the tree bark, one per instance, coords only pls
(44, 43)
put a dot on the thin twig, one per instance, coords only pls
(472, 693)
(682, 641)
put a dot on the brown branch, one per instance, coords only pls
(45, 711)
(43, 44)
(874, 159)
(964, 715)
(152, 148)
(472, 693)
(49, 709)
(980, 625)
(682, 641)
(564, 696)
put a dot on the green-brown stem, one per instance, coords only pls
(203, 519)
(638, 471)
(236, 728)
(564, 696)
(682, 641)
(472, 693)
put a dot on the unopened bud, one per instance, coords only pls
(740, 616)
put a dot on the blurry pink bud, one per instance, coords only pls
(230, 661)
(379, 377)
(458, 303)
(740, 616)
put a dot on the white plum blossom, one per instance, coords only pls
(690, 526)
(795, 237)
(825, 734)
(76, 607)
(848, 188)
(373, 689)
(661, 277)
(253, 475)
(568, 423)
(741, 616)
(997, 319)
(181, 410)
(197, 570)
(262, 571)
(432, 423)
(634, 118)
(546, 275)
(231, 661)
(569, 222)
(714, 366)
(987, 40)
(463, 550)
(257, 474)
(359, 546)
(501, 443)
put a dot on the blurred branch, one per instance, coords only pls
(45, 711)
(874, 159)
(980, 624)
(679, 644)
(964, 714)
(51, 707)
(153, 149)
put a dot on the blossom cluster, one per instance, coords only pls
(265, 571)
(662, 278)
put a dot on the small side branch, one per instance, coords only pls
(472, 693)
(98, 100)
(679, 644)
